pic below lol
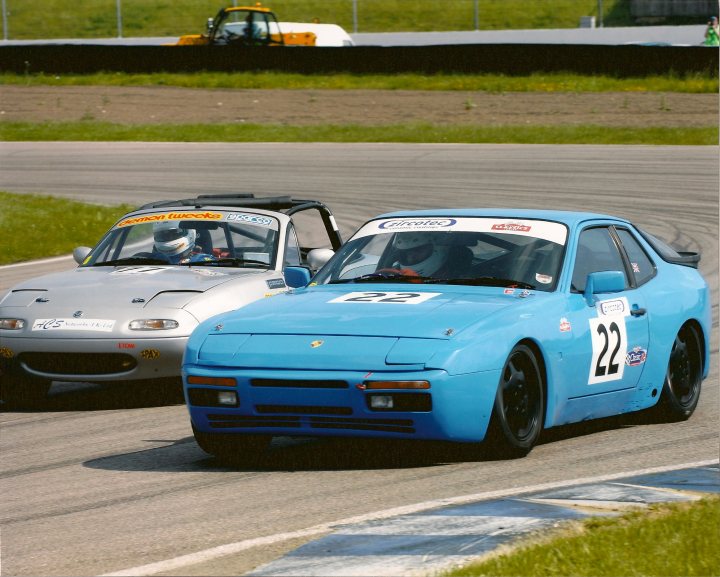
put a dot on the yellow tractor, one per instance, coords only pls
(249, 26)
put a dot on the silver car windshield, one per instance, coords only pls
(190, 238)
(468, 251)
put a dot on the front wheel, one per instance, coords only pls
(233, 448)
(681, 389)
(517, 418)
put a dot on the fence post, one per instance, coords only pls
(477, 15)
(119, 18)
(354, 16)
(5, 22)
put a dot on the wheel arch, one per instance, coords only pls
(534, 346)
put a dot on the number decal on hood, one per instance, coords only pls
(402, 298)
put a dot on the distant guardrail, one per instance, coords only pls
(511, 59)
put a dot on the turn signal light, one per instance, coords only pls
(12, 324)
(216, 381)
(396, 385)
(153, 324)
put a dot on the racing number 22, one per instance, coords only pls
(383, 297)
(609, 347)
(613, 367)
(403, 298)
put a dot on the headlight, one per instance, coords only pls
(153, 324)
(12, 324)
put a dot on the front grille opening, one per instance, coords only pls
(78, 363)
(299, 383)
(219, 421)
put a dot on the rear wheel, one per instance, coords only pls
(681, 389)
(234, 448)
(23, 391)
(517, 418)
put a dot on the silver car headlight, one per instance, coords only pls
(12, 324)
(153, 324)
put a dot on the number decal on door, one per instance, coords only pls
(403, 298)
(609, 346)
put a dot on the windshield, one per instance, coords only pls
(442, 250)
(190, 237)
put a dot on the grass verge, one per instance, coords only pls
(91, 130)
(27, 217)
(496, 83)
(665, 540)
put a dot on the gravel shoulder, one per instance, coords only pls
(154, 105)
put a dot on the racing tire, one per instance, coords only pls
(681, 389)
(232, 448)
(517, 418)
(23, 392)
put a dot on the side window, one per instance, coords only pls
(596, 252)
(292, 248)
(643, 268)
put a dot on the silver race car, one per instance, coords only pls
(125, 313)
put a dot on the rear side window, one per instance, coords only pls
(596, 252)
(642, 267)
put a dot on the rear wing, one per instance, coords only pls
(669, 254)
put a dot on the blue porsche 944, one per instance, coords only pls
(459, 325)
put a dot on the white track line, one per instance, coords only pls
(231, 548)
(36, 262)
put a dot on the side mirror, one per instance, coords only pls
(318, 257)
(80, 254)
(606, 281)
(296, 276)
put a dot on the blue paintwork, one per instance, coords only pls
(458, 340)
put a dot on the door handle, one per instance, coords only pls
(637, 312)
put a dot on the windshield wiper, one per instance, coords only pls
(238, 262)
(486, 281)
(131, 260)
(385, 276)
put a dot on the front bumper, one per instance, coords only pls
(93, 360)
(335, 403)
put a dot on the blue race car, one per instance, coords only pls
(459, 325)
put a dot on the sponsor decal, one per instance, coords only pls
(511, 227)
(316, 344)
(170, 216)
(376, 297)
(276, 283)
(524, 294)
(6, 353)
(509, 291)
(207, 271)
(613, 307)
(417, 224)
(101, 325)
(565, 325)
(543, 278)
(635, 267)
(150, 354)
(126, 345)
(251, 219)
(636, 357)
(138, 270)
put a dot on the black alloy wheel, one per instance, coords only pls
(681, 389)
(519, 404)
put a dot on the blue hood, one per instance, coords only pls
(311, 312)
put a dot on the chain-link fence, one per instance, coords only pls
(22, 19)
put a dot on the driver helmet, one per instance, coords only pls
(171, 240)
(418, 251)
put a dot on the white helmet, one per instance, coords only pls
(171, 240)
(418, 251)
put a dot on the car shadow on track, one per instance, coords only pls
(101, 397)
(290, 454)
